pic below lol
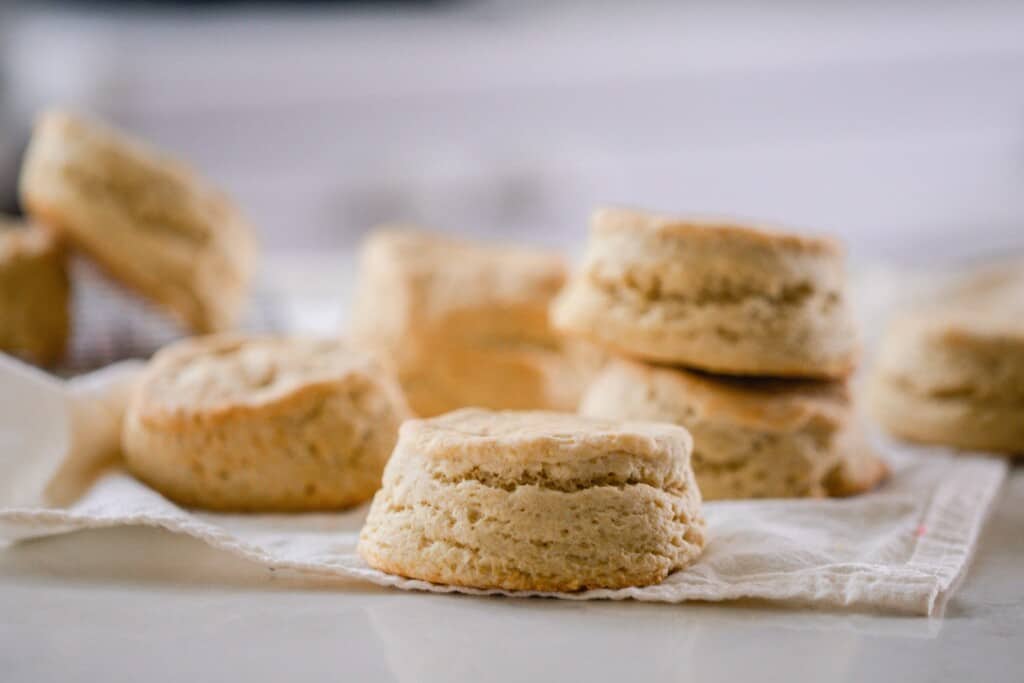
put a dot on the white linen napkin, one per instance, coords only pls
(902, 548)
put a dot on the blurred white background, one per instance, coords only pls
(897, 126)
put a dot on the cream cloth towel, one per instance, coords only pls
(902, 548)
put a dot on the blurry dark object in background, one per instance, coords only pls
(112, 324)
(258, 3)
(8, 194)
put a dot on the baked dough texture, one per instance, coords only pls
(535, 501)
(955, 375)
(754, 437)
(712, 295)
(147, 219)
(34, 294)
(466, 324)
(262, 424)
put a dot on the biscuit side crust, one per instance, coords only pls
(300, 425)
(958, 421)
(442, 275)
(517, 532)
(325, 450)
(712, 299)
(622, 219)
(217, 377)
(957, 355)
(953, 374)
(753, 438)
(752, 338)
(644, 537)
(464, 323)
(766, 404)
(35, 290)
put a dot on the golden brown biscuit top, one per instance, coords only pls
(972, 350)
(475, 435)
(990, 318)
(224, 372)
(451, 274)
(113, 149)
(617, 219)
(774, 405)
(166, 196)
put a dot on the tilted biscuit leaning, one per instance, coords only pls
(147, 219)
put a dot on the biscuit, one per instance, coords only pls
(535, 501)
(465, 324)
(261, 423)
(148, 220)
(955, 375)
(34, 293)
(712, 295)
(754, 437)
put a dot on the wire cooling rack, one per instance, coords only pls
(111, 323)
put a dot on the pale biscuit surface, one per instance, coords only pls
(34, 294)
(712, 295)
(754, 438)
(149, 220)
(241, 423)
(465, 324)
(535, 501)
(954, 375)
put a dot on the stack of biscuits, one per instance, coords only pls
(741, 334)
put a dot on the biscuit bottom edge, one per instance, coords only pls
(515, 582)
(952, 422)
(535, 539)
